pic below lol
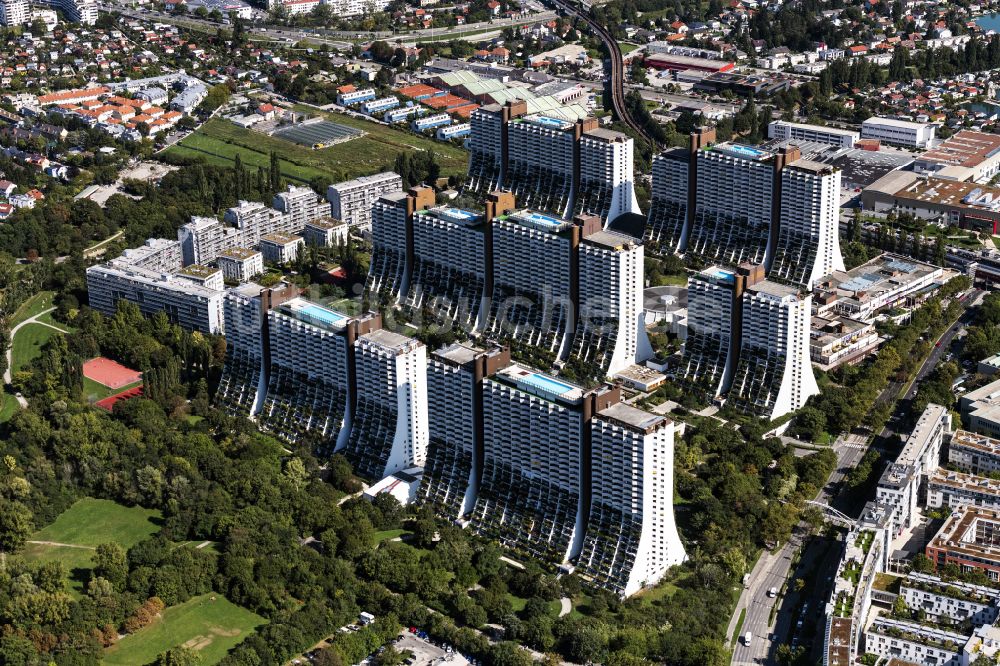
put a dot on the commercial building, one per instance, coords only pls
(968, 539)
(782, 130)
(887, 281)
(952, 202)
(631, 538)
(325, 232)
(389, 426)
(279, 248)
(898, 132)
(551, 164)
(352, 200)
(808, 243)
(981, 409)
(835, 340)
(977, 454)
(185, 303)
(964, 156)
(774, 375)
(240, 264)
(454, 466)
(684, 63)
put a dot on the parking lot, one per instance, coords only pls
(426, 653)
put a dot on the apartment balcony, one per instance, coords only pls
(373, 429)
(727, 238)
(385, 275)
(484, 173)
(539, 188)
(446, 477)
(594, 198)
(794, 258)
(447, 295)
(238, 385)
(665, 224)
(297, 404)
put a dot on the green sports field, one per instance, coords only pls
(209, 625)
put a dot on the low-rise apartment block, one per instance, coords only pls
(976, 454)
(281, 248)
(352, 200)
(240, 264)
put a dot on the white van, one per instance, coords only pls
(747, 637)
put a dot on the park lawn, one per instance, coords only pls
(8, 406)
(77, 563)
(94, 391)
(386, 535)
(386, 142)
(36, 303)
(209, 625)
(91, 522)
(28, 344)
(49, 318)
(627, 48)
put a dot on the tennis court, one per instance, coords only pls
(110, 373)
(108, 404)
(320, 134)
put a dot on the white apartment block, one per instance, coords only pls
(454, 455)
(240, 264)
(389, 429)
(185, 303)
(977, 454)
(734, 203)
(300, 205)
(953, 489)
(209, 277)
(203, 238)
(808, 245)
(611, 332)
(606, 186)
(914, 642)
(355, 96)
(631, 538)
(308, 387)
(14, 12)
(75, 11)
(356, 7)
(709, 358)
(280, 248)
(898, 132)
(325, 232)
(666, 226)
(156, 254)
(952, 600)
(981, 409)
(774, 375)
(449, 265)
(352, 200)
(531, 492)
(540, 163)
(782, 130)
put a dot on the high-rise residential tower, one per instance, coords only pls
(392, 243)
(671, 207)
(541, 163)
(535, 485)
(389, 429)
(454, 464)
(808, 244)
(774, 375)
(351, 201)
(631, 538)
(605, 186)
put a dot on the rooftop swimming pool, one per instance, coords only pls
(541, 220)
(322, 315)
(740, 150)
(545, 383)
(549, 122)
(721, 274)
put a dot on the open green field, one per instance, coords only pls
(387, 142)
(37, 303)
(91, 522)
(73, 536)
(219, 141)
(28, 344)
(209, 625)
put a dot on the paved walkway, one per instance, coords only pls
(10, 349)
(566, 606)
(62, 545)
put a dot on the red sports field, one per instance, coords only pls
(109, 402)
(109, 373)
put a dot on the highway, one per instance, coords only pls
(616, 68)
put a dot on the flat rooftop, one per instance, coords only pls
(774, 289)
(742, 151)
(971, 440)
(540, 384)
(459, 353)
(965, 482)
(548, 122)
(887, 272)
(280, 238)
(611, 240)
(945, 192)
(325, 223)
(459, 216)
(719, 273)
(893, 122)
(633, 418)
(239, 253)
(812, 167)
(198, 271)
(965, 149)
(959, 535)
(391, 341)
(540, 221)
